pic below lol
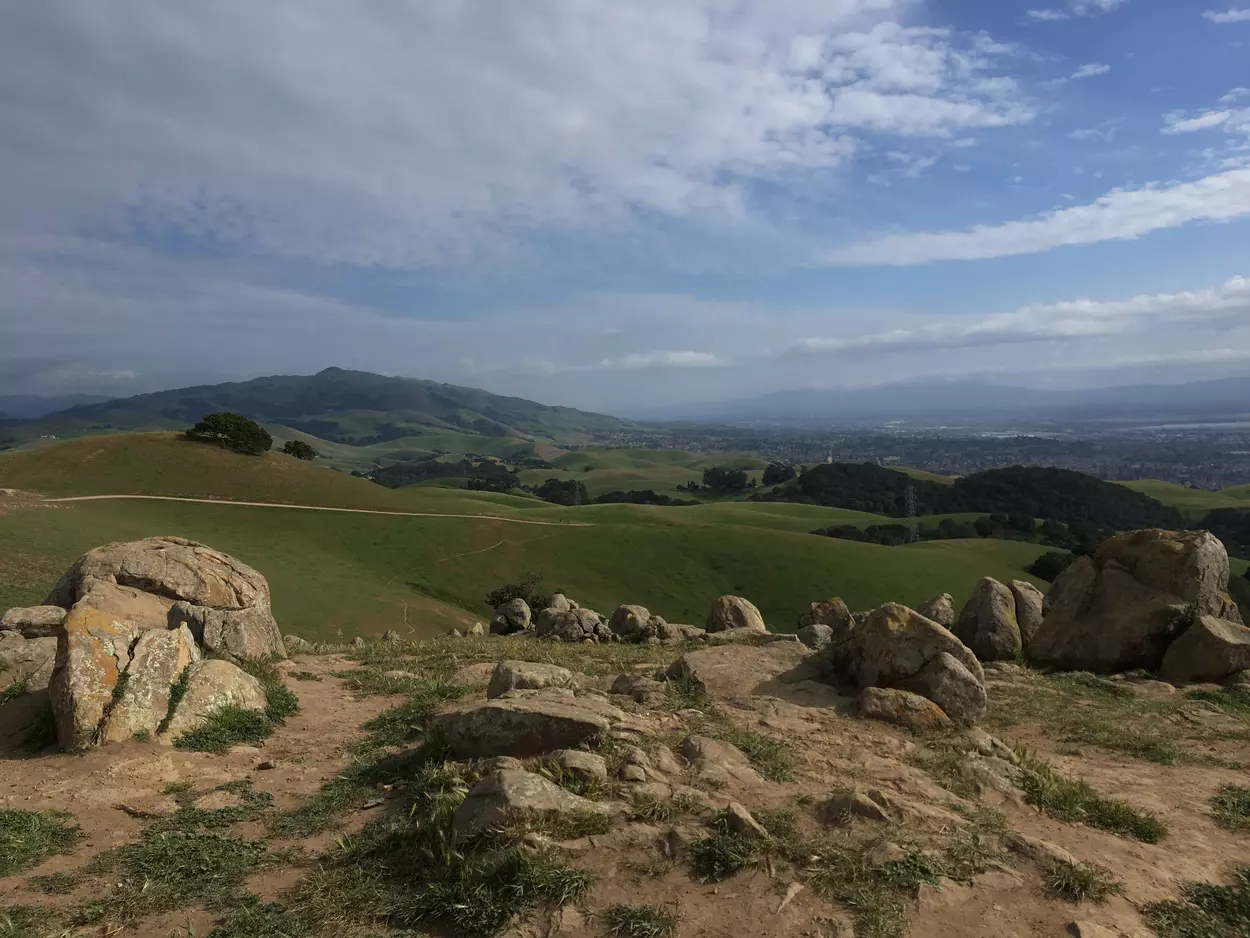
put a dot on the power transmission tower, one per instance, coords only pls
(913, 533)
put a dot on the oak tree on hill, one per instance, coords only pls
(299, 449)
(233, 431)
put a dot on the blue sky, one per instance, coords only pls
(619, 206)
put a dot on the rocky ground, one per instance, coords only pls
(645, 790)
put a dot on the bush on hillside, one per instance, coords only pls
(725, 481)
(567, 492)
(529, 587)
(645, 497)
(233, 431)
(299, 449)
(776, 474)
(1052, 563)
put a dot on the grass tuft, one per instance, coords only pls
(56, 884)
(24, 921)
(657, 811)
(1081, 882)
(1204, 910)
(230, 725)
(875, 893)
(641, 921)
(1231, 808)
(27, 838)
(1074, 801)
(253, 919)
(13, 690)
(40, 730)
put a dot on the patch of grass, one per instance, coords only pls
(177, 691)
(231, 725)
(1205, 910)
(24, 921)
(27, 838)
(876, 893)
(1074, 801)
(13, 690)
(722, 854)
(641, 921)
(4, 663)
(1233, 702)
(557, 774)
(1231, 807)
(172, 869)
(942, 764)
(305, 676)
(685, 693)
(55, 884)
(568, 826)
(1081, 882)
(770, 757)
(188, 818)
(177, 788)
(253, 919)
(40, 730)
(658, 811)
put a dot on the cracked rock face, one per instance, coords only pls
(92, 653)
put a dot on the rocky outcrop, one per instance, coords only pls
(832, 612)
(734, 612)
(93, 651)
(1030, 609)
(1122, 608)
(718, 762)
(211, 685)
(26, 663)
(897, 648)
(988, 623)
(34, 621)
(574, 625)
(525, 726)
(636, 624)
(526, 675)
(511, 793)
(1210, 649)
(940, 610)
(727, 671)
(509, 617)
(238, 635)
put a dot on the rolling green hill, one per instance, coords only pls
(1192, 502)
(363, 574)
(612, 469)
(338, 406)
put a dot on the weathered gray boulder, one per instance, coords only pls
(93, 649)
(1121, 609)
(734, 612)
(211, 685)
(628, 620)
(988, 624)
(816, 636)
(157, 662)
(1030, 608)
(34, 621)
(526, 675)
(950, 685)
(223, 601)
(718, 762)
(575, 625)
(509, 617)
(524, 726)
(901, 708)
(1210, 649)
(561, 603)
(847, 805)
(725, 671)
(940, 609)
(832, 612)
(587, 766)
(895, 643)
(511, 793)
(30, 661)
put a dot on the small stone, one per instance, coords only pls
(633, 773)
(266, 766)
(901, 708)
(847, 805)
(358, 641)
(586, 766)
(526, 675)
(390, 635)
(741, 821)
(1091, 930)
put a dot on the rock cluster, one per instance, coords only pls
(999, 621)
(130, 621)
(1149, 599)
(566, 621)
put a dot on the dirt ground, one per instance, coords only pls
(114, 790)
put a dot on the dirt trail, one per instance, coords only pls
(356, 511)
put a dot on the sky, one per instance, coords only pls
(623, 206)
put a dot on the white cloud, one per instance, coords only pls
(1177, 123)
(686, 359)
(1075, 8)
(1048, 16)
(1089, 71)
(1120, 214)
(1234, 95)
(413, 134)
(1233, 15)
(1075, 320)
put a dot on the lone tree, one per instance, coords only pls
(233, 431)
(299, 449)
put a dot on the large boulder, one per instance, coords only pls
(509, 617)
(574, 625)
(628, 620)
(156, 664)
(726, 671)
(34, 621)
(734, 612)
(950, 685)
(93, 650)
(30, 661)
(940, 609)
(988, 624)
(901, 708)
(895, 643)
(1123, 607)
(211, 685)
(832, 612)
(162, 581)
(636, 624)
(524, 726)
(1030, 608)
(1210, 649)
(506, 794)
(526, 675)
(718, 762)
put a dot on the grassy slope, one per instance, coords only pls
(356, 572)
(1194, 502)
(346, 457)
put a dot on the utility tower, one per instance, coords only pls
(913, 534)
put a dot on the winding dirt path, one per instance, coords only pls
(355, 511)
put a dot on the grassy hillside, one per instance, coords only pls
(336, 405)
(1193, 502)
(362, 574)
(604, 469)
(364, 458)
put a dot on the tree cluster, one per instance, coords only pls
(232, 431)
(567, 492)
(725, 481)
(299, 449)
(777, 474)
